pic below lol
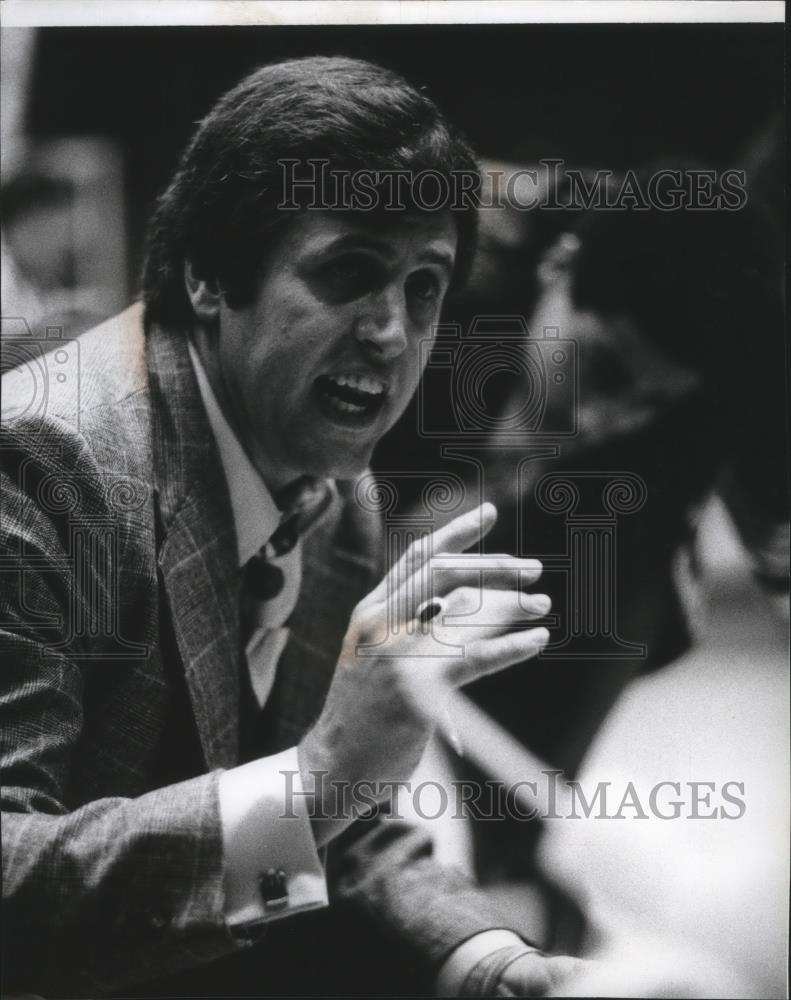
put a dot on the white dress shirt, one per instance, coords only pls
(257, 836)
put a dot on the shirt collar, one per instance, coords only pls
(255, 512)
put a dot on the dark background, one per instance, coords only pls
(610, 96)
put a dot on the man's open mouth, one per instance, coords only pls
(352, 398)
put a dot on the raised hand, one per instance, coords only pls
(371, 729)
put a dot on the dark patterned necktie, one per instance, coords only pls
(302, 503)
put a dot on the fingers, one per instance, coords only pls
(537, 975)
(465, 530)
(444, 574)
(499, 572)
(464, 623)
(487, 656)
(460, 534)
(470, 613)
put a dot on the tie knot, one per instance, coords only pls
(301, 503)
(301, 493)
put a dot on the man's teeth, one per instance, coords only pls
(362, 383)
(348, 407)
(353, 394)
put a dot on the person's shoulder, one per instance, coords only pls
(62, 379)
(79, 407)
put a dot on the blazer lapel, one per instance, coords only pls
(197, 556)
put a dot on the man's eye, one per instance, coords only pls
(423, 286)
(349, 277)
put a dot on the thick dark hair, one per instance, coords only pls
(220, 209)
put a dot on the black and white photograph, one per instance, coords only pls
(394, 546)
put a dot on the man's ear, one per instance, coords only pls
(205, 296)
(558, 258)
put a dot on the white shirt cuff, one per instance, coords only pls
(460, 962)
(266, 828)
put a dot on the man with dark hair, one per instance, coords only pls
(185, 563)
(279, 136)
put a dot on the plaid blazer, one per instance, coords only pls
(119, 690)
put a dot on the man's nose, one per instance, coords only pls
(382, 327)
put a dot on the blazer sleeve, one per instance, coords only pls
(98, 896)
(385, 870)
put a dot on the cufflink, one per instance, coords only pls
(272, 887)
